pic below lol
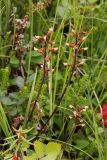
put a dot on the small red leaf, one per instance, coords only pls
(15, 157)
(104, 113)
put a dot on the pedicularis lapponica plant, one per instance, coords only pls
(48, 93)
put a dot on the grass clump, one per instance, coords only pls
(53, 80)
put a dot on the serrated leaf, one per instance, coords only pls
(25, 146)
(52, 151)
(40, 149)
(32, 157)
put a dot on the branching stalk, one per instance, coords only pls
(65, 89)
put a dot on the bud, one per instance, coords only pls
(53, 50)
(75, 113)
(39, 37)
(71, 45)
(84, 110)
(50, 31)
(81, 62)
(81, 125)
(66, 64)
(70, 106)
(83, 39)
(73, 32)
(83, 49)
(51, 43)
(83, 33)
(86, 107)
(41, 50)
(81, 120)
(86, 48)
(44, 38)
(71, 117)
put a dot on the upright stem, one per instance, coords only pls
(0, 25)
(42, 82)
(65, 89)
(31, 34)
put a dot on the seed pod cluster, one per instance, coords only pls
(79, 39)
(77, 115)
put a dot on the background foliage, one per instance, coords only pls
(50, 100)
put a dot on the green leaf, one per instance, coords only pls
(47, 152)
(40, 149)
(35, 57)
(52, 151)
(31, 78)
(64, 9)
(14, 62)
(25, 146)
(91, 1)
(20, 82)
(103, 76)
(32, 157)
(7, 101)
(82, 143)
(8, 156)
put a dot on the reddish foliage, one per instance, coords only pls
(104, 113)
(15, 157)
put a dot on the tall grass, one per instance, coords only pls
(95, 98)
